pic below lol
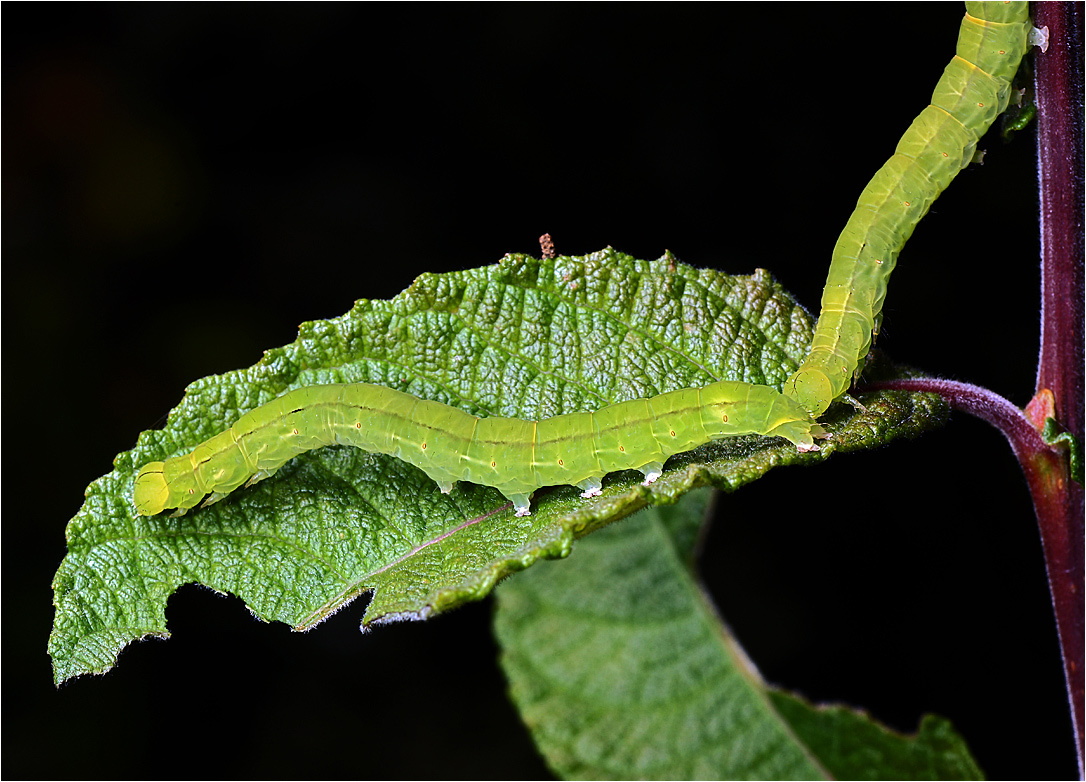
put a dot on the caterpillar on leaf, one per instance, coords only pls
(518, 456)
(512, 455)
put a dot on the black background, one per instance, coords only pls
(184, 184)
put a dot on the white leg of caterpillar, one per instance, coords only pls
(259, 476)
(446, 486)
(590, 487)
(520, 502)
(212, 498)
(1038, 36)
(651, 471)
(804, 448)
(854, 402)
(857, 376)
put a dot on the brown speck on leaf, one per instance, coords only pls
(670, 261)
(546, 245)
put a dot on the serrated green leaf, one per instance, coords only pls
(622, 669)
(526, 337)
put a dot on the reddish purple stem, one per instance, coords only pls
(1059, 93)
(1057, 502)
(1059, 88)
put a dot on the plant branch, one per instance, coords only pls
(1059, 86)
(1060, 159)
(1047, 474)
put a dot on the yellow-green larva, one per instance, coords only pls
(512, 455)
(517, 456)
(973, 90)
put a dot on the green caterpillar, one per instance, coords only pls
(517, 457)
(973, 90)
(514, 456)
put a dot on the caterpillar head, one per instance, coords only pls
(812, 388)
(151, 493)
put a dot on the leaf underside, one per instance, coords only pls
(526, 338)
(621, 669)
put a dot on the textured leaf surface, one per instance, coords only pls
(622, 669)
(525, 338)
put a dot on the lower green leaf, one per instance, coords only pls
(622, 669)
(851, 745)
